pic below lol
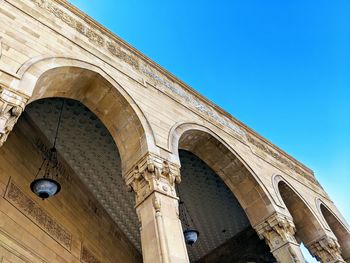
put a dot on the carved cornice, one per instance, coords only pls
(277, 230)
(326, 249)
(12, 104)
(283, 160)
(153, 173)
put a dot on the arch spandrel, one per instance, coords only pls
(89, 84)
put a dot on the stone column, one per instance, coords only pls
(326, 250)
(12, 104)
(278, 232)
(153, 181)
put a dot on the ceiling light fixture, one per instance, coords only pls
(190, 233)
(45, 183)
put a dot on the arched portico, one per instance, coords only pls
(243, 183)
(309, 229)
(336, 225)
(90, 85)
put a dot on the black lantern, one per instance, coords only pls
(45, 183)
(190, 233)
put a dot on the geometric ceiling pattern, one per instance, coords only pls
(88, 148)
(90, 151)
(215, 211)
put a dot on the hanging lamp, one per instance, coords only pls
(190, 233)
(45, 183)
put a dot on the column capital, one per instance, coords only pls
(277, 230)
(12, 104)
(153, 173)
(326, 249)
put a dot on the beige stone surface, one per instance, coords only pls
(51, 49)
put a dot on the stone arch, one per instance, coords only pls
(227, 164)
(72, 78)
(308, 226)
(338, 228)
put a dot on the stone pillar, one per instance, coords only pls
(326, 250)
(153, 181)
(12, 104)
(278, 232)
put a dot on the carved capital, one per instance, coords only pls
(12, 104)
(153, 173)
(326, 249)
(277, 230)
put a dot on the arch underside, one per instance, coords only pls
(342, 234)
(253, 199)
(225, 234)
(308, 228)
(87, 83)
(244, 195)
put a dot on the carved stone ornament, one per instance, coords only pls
(11, 106)
(37, 215)
(87, 256)
(326, 249)
(277, 230)
(153, 173)
(90, 31)
(279, 157)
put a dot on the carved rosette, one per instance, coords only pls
(12, 104)
(153, 173)
(327, 250)
(277, 230)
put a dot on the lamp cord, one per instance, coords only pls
(184, 211)
(58, 124)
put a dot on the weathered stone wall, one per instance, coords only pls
(72, 228)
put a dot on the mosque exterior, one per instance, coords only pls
(140, 157)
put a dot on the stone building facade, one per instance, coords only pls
(133, 138)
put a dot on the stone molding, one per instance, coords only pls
(277, 230)
(153, 174)
(326, 250)
(12, 104)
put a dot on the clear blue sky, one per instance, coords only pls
(281, 67)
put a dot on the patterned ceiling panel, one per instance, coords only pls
(215, 211)
(88, 148)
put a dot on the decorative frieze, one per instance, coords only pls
(326, 250)
(263, 147)
(87, 256)
(12, 104)
(193, 101)
(90, 31)
(277, 230)
(109, 44)
(35, 213)
(153, 173)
